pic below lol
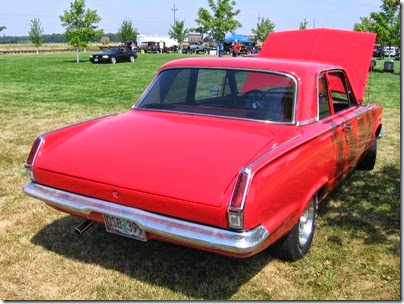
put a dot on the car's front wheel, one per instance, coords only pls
(113, 60)
(132, 58)
(296, 243)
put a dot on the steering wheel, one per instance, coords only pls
(254, 99)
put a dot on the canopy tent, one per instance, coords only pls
(239, 38)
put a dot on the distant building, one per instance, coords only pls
(156, 38)
(195, 38)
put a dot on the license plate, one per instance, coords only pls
(124, 227)
(95, 59)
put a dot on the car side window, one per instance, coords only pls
(341, 97)
(323, 99)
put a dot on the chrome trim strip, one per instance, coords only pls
(291, 76)
(188, 232)
(29, 167)
(306, 122)
(247, 186)
(273, 149)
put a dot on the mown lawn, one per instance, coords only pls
(355, 253)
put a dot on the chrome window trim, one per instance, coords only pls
(289, 75)
(236, 242)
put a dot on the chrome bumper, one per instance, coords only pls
(179, 230)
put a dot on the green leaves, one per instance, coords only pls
(2, 28)
(220, 21)
(178, 31)
(127, 32)
(80, 24)
(35, 32)
(263, 29)
(386, 23)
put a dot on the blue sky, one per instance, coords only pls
(155, 16)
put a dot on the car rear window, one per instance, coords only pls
(266, 96)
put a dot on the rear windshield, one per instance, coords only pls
(223, 92)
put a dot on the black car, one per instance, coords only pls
(114, 55)
(378, 52)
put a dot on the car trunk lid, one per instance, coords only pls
(187, 157)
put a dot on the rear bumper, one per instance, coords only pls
(196, 235)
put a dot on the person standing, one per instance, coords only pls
(236, 48)
(161, 46)
(220, 49)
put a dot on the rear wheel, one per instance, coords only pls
(369, 160)
(113, 60)
(296, 243)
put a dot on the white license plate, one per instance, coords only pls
(95, 59)
(124, 227)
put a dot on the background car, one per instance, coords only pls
(377, 51)
(114, 55)
(389, 51)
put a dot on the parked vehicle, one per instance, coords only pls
(389, 51)
(229, 156)
(150, 47)
(377, 51)
(199, 47)
(114, 55)
(398, 54)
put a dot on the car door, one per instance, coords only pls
(347, 116)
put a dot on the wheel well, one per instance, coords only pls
(321, 192)
(379, 128)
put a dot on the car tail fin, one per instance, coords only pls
(349, 50)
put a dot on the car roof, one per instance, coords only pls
(299, 68)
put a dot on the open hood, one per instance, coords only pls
(348, 49)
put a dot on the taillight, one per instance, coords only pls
(32, 156)
(238, 198)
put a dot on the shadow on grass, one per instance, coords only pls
(367, 203)
(191, 272)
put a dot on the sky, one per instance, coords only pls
(154, 17)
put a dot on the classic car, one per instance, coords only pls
(114, 55)
(220, 154)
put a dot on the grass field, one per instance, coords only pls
(355, 253)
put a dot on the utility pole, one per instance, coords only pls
(314, 23)
(174, 10)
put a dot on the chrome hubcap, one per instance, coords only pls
(306, 223)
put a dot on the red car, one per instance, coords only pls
(228, 155)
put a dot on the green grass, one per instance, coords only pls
(355, 253)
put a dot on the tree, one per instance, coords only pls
(35, 34)
(178, 31)
(80, 25)
(303, 24)
(366, 25)
(263, 29)
(127, 32)
(386, 23)
(2, 28)
(222, 20)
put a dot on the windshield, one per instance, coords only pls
(223, 92)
